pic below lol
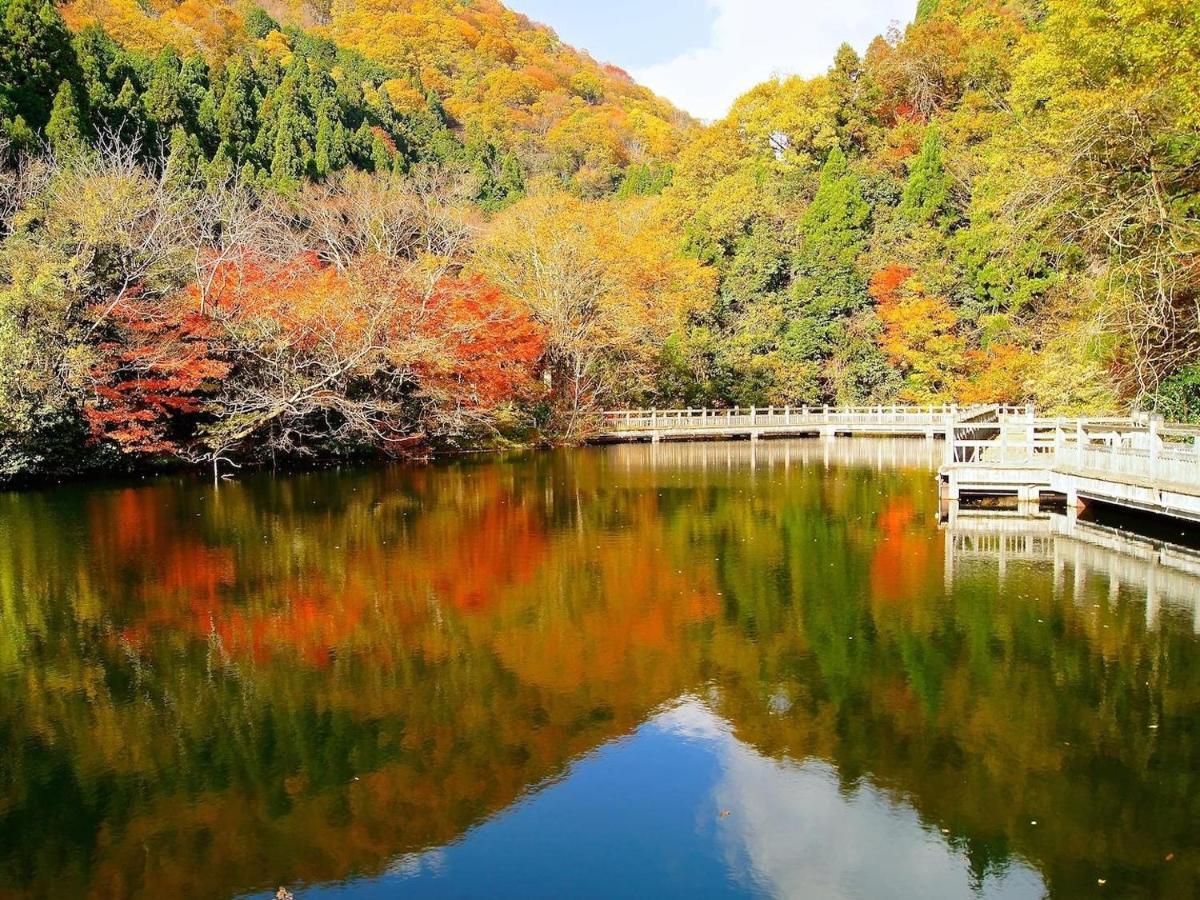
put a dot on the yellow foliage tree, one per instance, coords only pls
(607, 283)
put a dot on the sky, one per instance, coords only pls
(702, 54)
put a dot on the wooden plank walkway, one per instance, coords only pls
(1139, 463)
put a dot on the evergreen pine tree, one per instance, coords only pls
(164, 97)
(927, 193)
(127, 112)
(184, 157)
(220, 169)
(827, 287)
(833, 228)
(381, 156)
(237, 122)
(64, 131)
(35, 58)
(324, 155)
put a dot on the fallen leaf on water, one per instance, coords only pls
(724, 813)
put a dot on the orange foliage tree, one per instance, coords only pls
(921, 335)
(150, 379)
(364, 356)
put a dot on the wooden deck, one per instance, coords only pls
(1138, 463)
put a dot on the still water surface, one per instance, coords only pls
(691, 670)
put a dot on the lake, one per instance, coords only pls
(703, 670)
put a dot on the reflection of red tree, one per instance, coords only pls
(171, 575)
(502, 547)
(176, 581)
(900, 565)
(311, 625)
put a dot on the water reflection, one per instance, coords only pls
(347, 678)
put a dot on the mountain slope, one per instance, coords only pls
(498, 76)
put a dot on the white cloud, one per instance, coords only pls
(752, 40)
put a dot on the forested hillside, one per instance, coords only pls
(239, 233)
(998, 204)
(500, 80)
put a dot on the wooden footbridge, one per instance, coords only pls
(1140, 462)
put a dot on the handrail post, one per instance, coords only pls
(1155, 420)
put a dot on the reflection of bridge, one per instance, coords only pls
(1139, 463)
(1161, 571)
(880, 454)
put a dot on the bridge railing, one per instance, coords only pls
(1125, 448)
(666, 420)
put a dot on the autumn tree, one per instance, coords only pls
(920, 336)
(1106, 152)
(338, 362)
(607, 284)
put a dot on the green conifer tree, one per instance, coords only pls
(237, 119)
(185, 160)
(381, 156)
(64, 131)
(35, 58)
(324, 155)
(927, 193)
(827, 286)
(164, 97)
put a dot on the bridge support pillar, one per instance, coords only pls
(828, 433)
(754, 436)
(949, 487)
(656, 437)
